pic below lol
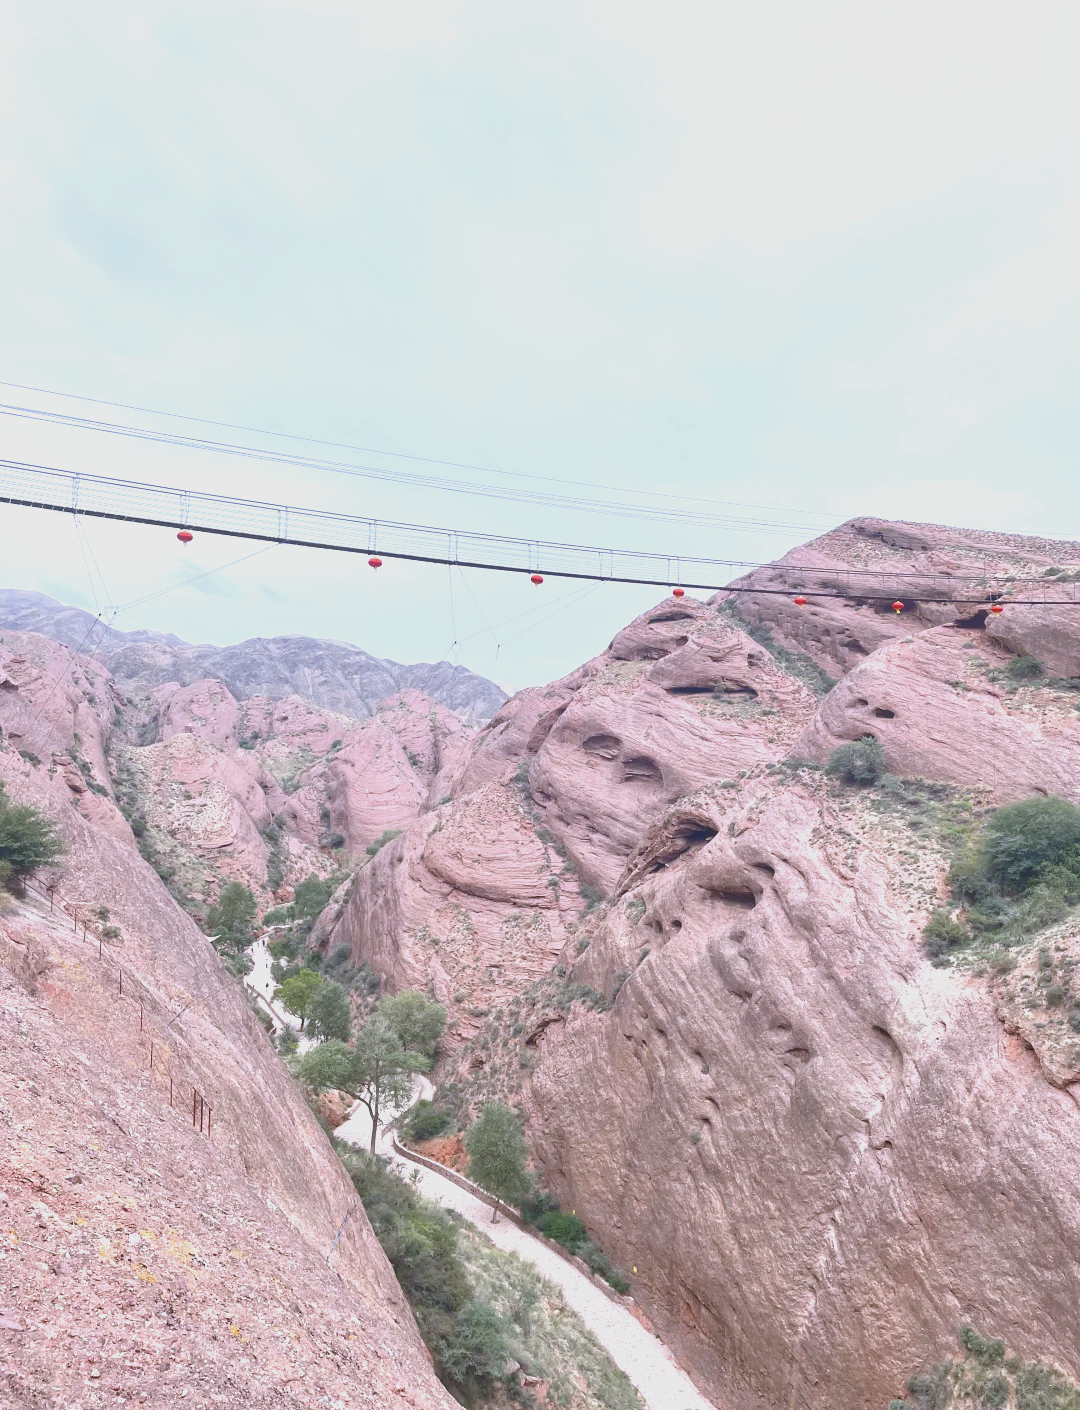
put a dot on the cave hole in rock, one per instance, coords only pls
(747, 692)
(764, 867)
(602, 746)
(676, 925)
(681, 640)
(883, 714)
(671, 617)
(974, 623)
(856, 646)
(742, 897)
(642, 769)
(859, 702)
(651, 653)
(690, 690)
(688, 839)
(800, 1055)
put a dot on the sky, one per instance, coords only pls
(815, 260)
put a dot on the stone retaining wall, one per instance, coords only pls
(514, 1218)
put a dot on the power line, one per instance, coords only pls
(95, 496)
(695, 518)
(36, 413)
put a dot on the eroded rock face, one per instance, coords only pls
(554, 794)
(57, 709)
(676, 702)
(942, 707)
(469, 901)
(819, 1153)
(939, 574)
(261, 1216)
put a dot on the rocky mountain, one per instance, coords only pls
(697, 960)
(694, 957)
(177, 1225)
(329, 674)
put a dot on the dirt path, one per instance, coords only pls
(660, 1382)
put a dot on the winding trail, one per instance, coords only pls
(657, 1377)
(659, 1380)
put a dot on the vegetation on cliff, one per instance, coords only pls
(28, 840)
(983, 1378)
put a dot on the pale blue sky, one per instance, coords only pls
(821, 257)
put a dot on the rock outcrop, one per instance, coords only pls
(544, 807)
(851, 576)
(817, 1152)
(820, 1153)
(237, 1265)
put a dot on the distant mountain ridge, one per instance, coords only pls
(334, 675)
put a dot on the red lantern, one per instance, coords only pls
(184, 536)
(374, 562)
(536, 579)
(897, 607)
(678, 592)
(997, 609)
(799, 601)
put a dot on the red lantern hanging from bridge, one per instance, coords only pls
(184, 536)
(799, 601)
(997, 609)
(897, 606)
(536, 580)
(374, 562)
(678, 592)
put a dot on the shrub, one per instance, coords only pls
(535, 1206)
(1024, 838)
(1074, 1021)
(1024, 668)
(426, 1121)
(1055, 995)
(860, 762)
(380, 842)
(565, 1229)
(942, 934)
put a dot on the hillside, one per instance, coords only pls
(664, 920)
(331, 675)
(698, 962)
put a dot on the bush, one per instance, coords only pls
(28, 839)
(1025, 668)
(1024, 838)
(536, 1205)
(380, 842)
(860, 762)
(565, 1229)
(942, 934)
(426, 1121)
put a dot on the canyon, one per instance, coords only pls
(692, 957)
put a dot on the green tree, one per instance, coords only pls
(497, 1154)
(416, 1020)
(376, 1071)
(295, 994)
(231, 918)
(311, 896)
(328, 1012)
(28, 840)
(1023, 838)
